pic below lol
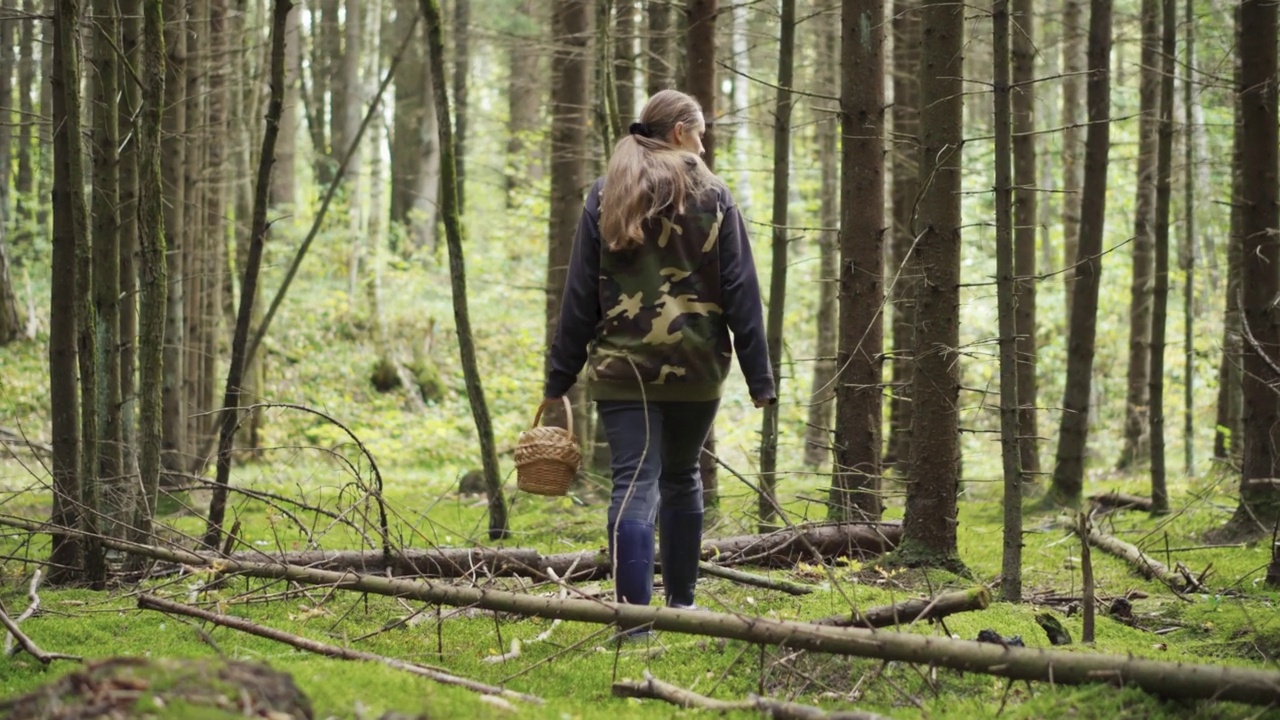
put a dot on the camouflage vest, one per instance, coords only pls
(662, 325)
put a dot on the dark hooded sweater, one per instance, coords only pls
(654, 322)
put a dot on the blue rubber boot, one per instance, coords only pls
(631, 548)
(680, 540)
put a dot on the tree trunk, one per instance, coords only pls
(24, 180)
(194, 242)
(10, 323)
(1010, 448)
(524, 102)
(154, 286)
(573, 13)
(700, 71)
(569, 81)
(1068, 473)
(127, 112)
(906, 193)
(1160, 295)
(1259, 507)
(351, 94)
(929, 528)
(284, 183)
(1187, 254)
(330, 43)
(1137, 399)
(1024, 234)
(821, 399)
(624, 54)
(318, 69)
(105, 284)
(461, 76)
(660, 71)
(229, 416)
(741, 63)
(1073, 69)
(173, 159)
(70, 232)
(1228, 437)
(856, 484)
(415, 153)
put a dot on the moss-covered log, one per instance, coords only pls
(908, 611)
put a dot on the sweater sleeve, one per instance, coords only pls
(580, 305)
(740, 288)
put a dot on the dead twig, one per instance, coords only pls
(28, 644)
(746, 578)
(151, 602)
(32, 607)
(655, 689)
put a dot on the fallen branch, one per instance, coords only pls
(151, 602)
(33, 605)
(1121, 501)
(746, 578)
(785, 547)
(654, 689)
(1168, 679)
(910, 611)
(28, 644)
(1140, 562)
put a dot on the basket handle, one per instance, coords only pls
(568, 412)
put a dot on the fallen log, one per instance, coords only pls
(778, 549)
(909, 611)
(745, 578)
(1167, 679)
(1121, 501)
(152, 602)
(652, 688)
(1141, 563)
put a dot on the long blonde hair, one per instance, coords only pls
(648, 175)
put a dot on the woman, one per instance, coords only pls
(661, 273)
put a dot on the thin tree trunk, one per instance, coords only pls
(741, 63)
(284, 184)
(624, 54)
(524, 102)
(24, 181)
(194, 241)
(768, 500)
(351, 95)
(1024, 234)
(70, 232)
(155, 284)
(929, 528)
(330, 44)
(1259, 495)
(1068, 473)
(1228, 439)
(461, 77)
(128, 109)
(1160, 310)
(906, 193)
(317, 115)
(498, 527)
(105, 403)
(217, 278)
(821, 399)
(173, 158)
(230, 414)
(856, 482)
(1073, 69)
(1010, 449)
(1137, 399)
(10, 325)
(700, 72)
(660, 72)
(1187, 255)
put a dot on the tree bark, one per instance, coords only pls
(229, 417)
(768, 500)
(24, 180)
(856, 484)
(69, 229)
(175, 458)
(911, 611)
(1010, 448)
(127, 124)
(1074, 63)
(1259, 507)
(660, 72)
(1025, 220)
(461, 77)
(819, 431)
(930, 524)
(624, 59)
(700, 70)
(415, 153)
(10, 325)
(284, 184)
(524, 101)
(906, 193)
(155, 281)
(194, 241)
(1138, 398)
(450, 212)
(1068, 473)
(351, 93)
(1187, 253)
(1228, 437)
(1160, 294)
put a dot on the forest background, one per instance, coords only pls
(353, 266)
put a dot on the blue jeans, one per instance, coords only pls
(655, 448)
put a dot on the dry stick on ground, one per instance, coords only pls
(1086, 579)
(151, 602)
(32, 607)
(1141, 563)
(28, 644)
(1119, 501)
(655, 689)
(909, 611)
(1167, 679)
(746, 578)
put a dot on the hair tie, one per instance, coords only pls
(639, 128)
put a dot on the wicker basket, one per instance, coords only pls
(547, 457)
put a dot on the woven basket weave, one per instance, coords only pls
(547, 457)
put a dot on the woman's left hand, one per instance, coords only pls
(761, 402)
